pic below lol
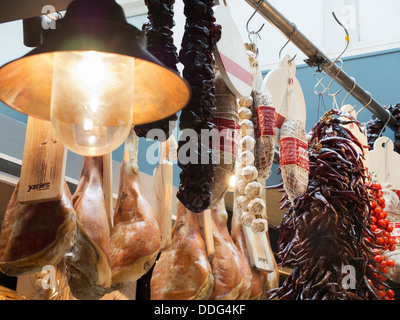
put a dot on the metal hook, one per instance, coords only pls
(387, 121)
(247, 23)
(319, 83)
(290, 39)
(347, 40)
(334, 78)
(334, 103)
(291, 60)
(354, 85)
(369, 102)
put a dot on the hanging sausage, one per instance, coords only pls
(160, 43)
(198, 43)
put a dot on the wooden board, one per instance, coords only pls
(256, 244)
(162, 195)
(277, 82)
(384, 162)
(361, 136)
(230, 54)
(258, 248)
(107, 187)
(43, 164)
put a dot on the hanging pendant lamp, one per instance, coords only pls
(93, 78)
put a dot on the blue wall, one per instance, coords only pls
(378, 73)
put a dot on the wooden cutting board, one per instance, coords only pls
(361, 136)
(276, 82)
(162, 195)
(258, 248)
(43, 164)
(107, 188)
(384, 162)
(230, 54)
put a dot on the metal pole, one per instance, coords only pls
(318, 59)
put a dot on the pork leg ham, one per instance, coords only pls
(220, 217)
(226, 272)
(136, 239)
(35, 235)
(183, 271)
(259, 278)
(89, 274)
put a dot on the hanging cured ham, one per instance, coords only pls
(220, 217)
(226, 272)
(135, 239)
(259, 278)
(35, 235)
(89, 274)
(183, 271)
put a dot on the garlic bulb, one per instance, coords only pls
(256, 207)
(238, 171)
(245, 113)
(241, 186)
(246, 102)
(247, 127)
(247, 219)
(253, 190)
(259, 225)
(243, 202)
(246, 158)
(247, 143)
(249, 173)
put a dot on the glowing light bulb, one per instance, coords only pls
(91, 70)
(92, 100)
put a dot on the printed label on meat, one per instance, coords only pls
(279, 120)
(396, 231)
(264, 121)
(293, 151)
(227, 137)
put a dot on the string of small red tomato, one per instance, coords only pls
(380, 226)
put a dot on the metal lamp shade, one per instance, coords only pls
(89, 25)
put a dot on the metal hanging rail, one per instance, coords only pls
(318, 59)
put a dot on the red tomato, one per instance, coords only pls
(379, 241)
(389, 228)
(381, 223)
(390, 263)
(383, 263)
(379, 194)
(373, 227)
(384, 270)
(381, 201)
(391, 242)
(387, 222)
(390, 293)
(377, 210)
(376, 186)
(373, 205)
(392, 248)
(378, 258)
